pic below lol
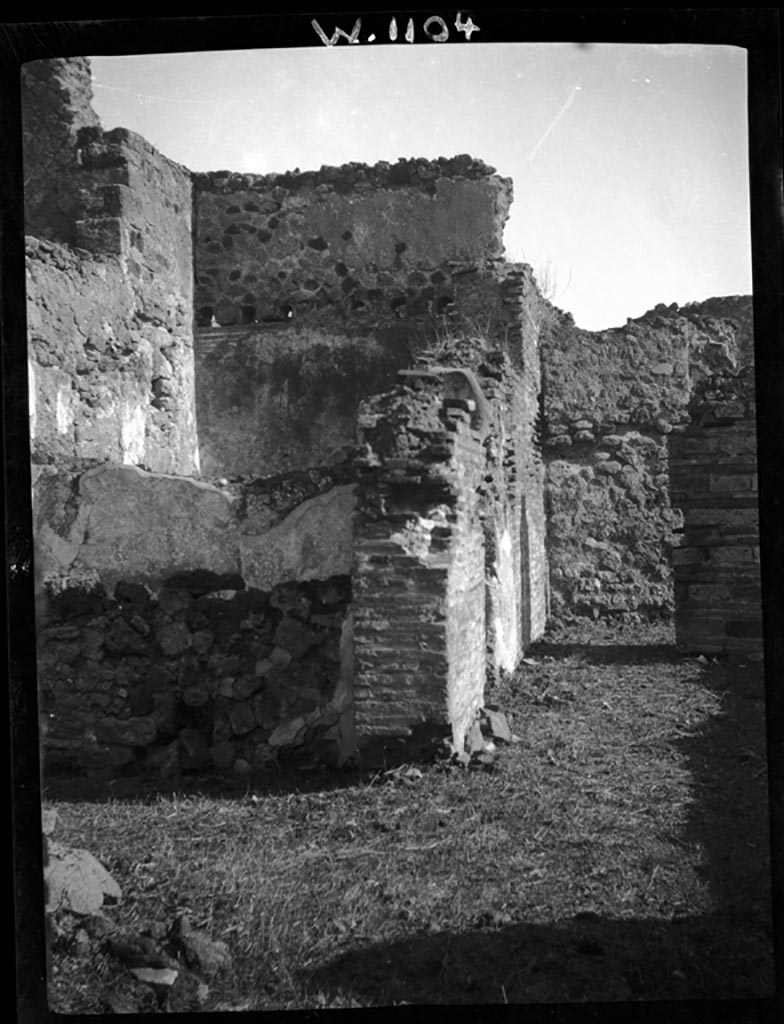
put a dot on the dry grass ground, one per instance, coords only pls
(619, 851)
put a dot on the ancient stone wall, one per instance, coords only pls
(273, 399)
(108, 379)
(203, 674)
(110, 313)
(314, 292)
(347, 241)
(333, 281)
(713, 469)
(57, 103)
(113, 523)
(610, 400)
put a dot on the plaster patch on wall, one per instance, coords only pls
(64, 410)
(507, 647)
(132, 434)
(415, 538)
(315, 541)
(31, 397)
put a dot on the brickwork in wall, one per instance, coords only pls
(713, 468)
(611, 399)
(312, 291)
(419, 564)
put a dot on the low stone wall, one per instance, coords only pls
(202, 675)
(713, 468)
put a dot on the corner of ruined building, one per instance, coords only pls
(56, 104)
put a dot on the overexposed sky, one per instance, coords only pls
(629, 162)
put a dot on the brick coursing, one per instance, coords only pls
(713, 469)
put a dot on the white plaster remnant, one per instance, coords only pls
(132, 435)
(506, 625)
(64, 410)
(313, 542)
(31, 397)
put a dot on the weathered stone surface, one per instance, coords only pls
(170, 761)
(313, 542)
(474, 740)
(195, 752)
(635, 383)
(450, 210)
(129, 732)
(174, 638)
(203, 581)
(156, 977)
(117, 321)
(206, 955)
(142, 526)
(76, 881)
(57, 102)
(122, 638)
(294, 637)
(288, 733)
(223, 755)
(496, 724)
(245, 686)
(241, 718)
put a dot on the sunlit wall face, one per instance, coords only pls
(629, 161)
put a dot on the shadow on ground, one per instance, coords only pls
(582, 960)
(724, 955)
(607, 654)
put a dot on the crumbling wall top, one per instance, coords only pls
(412, 172)
(56, 103)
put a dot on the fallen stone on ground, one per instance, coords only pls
(76, 881)
(138, 950)
(201, 952)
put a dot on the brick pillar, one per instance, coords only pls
(713, 478)
(419, 634)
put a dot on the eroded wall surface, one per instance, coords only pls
(713, 469)
(611, 399)
(57, 102)
(110, 294)
(314, 289)
(274, 399)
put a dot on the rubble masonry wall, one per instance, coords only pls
(611, 399)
